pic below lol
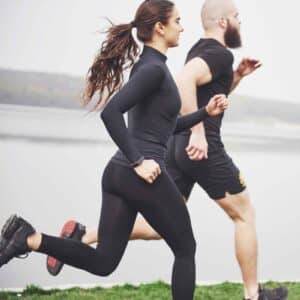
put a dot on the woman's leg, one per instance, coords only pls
(116, 223)
(164, 208)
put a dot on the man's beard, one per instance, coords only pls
(232, 37)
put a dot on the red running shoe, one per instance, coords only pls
(71, 230)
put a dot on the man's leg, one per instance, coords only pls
(239, 208)
(141, 231)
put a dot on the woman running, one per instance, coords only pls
(135, 179)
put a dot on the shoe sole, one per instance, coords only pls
(10, 227)
(54, 266)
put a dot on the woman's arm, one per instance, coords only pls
(190, 120)
(144, 82)
(216, 105)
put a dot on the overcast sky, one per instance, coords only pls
(61, 36)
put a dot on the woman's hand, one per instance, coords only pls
(217, 105)
(149, 169)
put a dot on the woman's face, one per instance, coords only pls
(173, 29)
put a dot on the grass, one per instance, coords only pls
(154, 291)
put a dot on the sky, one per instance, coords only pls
(63, 36)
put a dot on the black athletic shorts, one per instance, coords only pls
(216, 175)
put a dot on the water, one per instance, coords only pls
(51, 158)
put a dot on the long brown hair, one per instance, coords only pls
(119, 50)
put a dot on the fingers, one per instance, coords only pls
(223, 103)
(189, 148)
(152, 177)
(191, 151)
(218, 96)
(250, 60)
(253, 62)
(215, 101)
(196, 155)
(158, 171)
(149, 170)
(258, 65)
(200, 155)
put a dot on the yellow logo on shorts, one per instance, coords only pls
(242, 180)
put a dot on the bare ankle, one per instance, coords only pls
(34, 241)
(253, 293)
(85, 239)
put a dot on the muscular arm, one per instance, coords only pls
(236, 80)
(245, 68)
(144, 82)
(195, 73)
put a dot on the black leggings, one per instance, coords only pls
(124, 195)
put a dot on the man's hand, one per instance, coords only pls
(248, 66)
(198, 147)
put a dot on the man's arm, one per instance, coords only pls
(236, 80)
(194, 74)
(245, 68)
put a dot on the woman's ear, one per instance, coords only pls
(159, 28)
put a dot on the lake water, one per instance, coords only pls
(53, 158)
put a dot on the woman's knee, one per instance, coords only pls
(186, 249)
(104, 269)
(105, 263)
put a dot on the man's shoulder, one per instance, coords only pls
(209, 47)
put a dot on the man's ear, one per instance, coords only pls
(223, 22)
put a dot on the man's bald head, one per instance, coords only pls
(214, 10)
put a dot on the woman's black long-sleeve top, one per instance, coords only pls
(153, 103)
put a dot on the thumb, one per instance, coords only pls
(189, 148)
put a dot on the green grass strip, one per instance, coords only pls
(153, 291)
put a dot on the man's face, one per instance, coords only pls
(232, 34)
